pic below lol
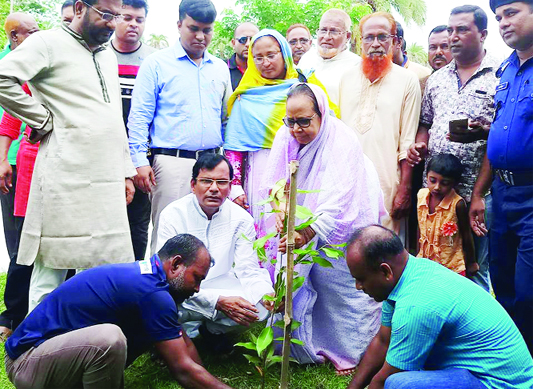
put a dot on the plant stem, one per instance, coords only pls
(293, 167)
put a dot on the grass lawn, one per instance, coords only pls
(233, 370)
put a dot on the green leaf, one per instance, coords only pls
(322, 262)
(264, 340)
(332, 253)
(280, 339)
(268, 297)
(248, 345)
(279, 324)
(302, 262)
(339, 245)
(261, 241)
(273, 360)
(308, 191)
(295, 324)
(298, 281)
(265, 201)
(306, 223)
(303, 212)
(253, 359)
(297, 341)
(261, 254)
(280, 185)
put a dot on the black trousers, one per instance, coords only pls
(139, 218)
(18, 276)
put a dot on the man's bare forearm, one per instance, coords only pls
(484, 179)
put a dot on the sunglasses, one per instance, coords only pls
(243, 39)
(302, 122)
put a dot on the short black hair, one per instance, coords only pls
(480, 17)
(447, 165)
(378, 247)
(438, 30)
(186, 245)
(202, 11)
(67, 3)
(209, 161)
(304, 90)
(399, 34)
(137, 4)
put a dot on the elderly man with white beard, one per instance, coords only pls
(332, 56)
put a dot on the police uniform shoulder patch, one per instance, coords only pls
(145, 266)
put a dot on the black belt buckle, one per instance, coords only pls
(506, 176)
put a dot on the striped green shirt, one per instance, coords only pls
(441, 320)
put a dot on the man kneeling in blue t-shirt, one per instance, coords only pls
(94, 325)
(439, 330)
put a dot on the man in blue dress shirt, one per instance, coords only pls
(178, 109)
(438, 329)
(508, 165)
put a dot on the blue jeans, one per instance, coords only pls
(511, 253)
(481, 245)
(434, 379)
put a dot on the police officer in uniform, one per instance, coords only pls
(508, 170)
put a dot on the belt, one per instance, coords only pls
(183, 153)
(515, 178)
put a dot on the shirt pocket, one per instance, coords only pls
(525, 102)
(481, 106)
(499, 102)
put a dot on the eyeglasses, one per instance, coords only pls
(333, 32)
(302, 122)
(382, 38)
(104, 15)
(303, 41)
(244, 39)
(207, 182)
(270, 57)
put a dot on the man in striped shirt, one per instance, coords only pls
(438, 329)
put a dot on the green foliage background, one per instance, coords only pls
(280, 14)
(45, 12)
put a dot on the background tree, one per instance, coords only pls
(157, 41)
(416, 53)
(45, 12)
(280, 14)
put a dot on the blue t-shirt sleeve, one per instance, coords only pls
(414, 332)
(160, 316)
(386, 313)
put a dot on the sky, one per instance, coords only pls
(163, 16)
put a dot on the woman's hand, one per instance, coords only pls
(301, 238)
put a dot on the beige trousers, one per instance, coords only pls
(89, 358)
(173, 181)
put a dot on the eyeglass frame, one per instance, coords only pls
(302, 41)
(103, 15)
(257, 62)
(248, 38)
(332, 33)
(366, 39)
(225, 183)
(287, 121)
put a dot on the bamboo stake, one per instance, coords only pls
(293, 167)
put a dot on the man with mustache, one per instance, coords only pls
(131, 52)
(178, 109)
(464, 89)
(381, 102)
(82, 177)
(232, 295)
(507, 170)
(300, 40)
(238, 63)
(439, 53)
(332, 56)
(97, 323)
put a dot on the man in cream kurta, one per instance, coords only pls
(331, 58)
(384, 114)
(76, 215)
(235, 283)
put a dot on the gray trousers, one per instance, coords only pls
(90, 358)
